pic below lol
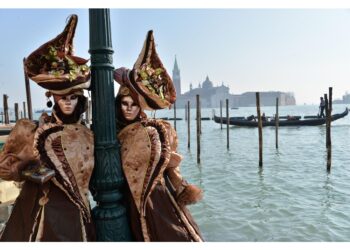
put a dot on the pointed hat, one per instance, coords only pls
(150, 79)
(53, 65)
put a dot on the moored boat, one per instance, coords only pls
(290, 121)
(6, 129)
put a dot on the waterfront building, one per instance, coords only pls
(211, 95)
(344, 100)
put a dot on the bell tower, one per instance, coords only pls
(176, 78)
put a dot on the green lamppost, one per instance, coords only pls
(107, 180)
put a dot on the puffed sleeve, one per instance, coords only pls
(17, 152)
(185, 193)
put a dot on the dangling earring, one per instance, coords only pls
(49, 102)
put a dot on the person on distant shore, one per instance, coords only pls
(251, 118)
(157, 194)
(322, 107)
(54, 159)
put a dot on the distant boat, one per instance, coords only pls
(235, 108)
(39, 111)
(172, 119)
(6, 129)
(205, 119)
(295, 121)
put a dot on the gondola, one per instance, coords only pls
(5, 131)
(204, 119)
(172, 119)
(294, 121)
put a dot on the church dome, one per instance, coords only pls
(207, 84)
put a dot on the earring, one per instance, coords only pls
(49, 102)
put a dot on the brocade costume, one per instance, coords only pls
(57, 210)
(55, 159)
(158, 194)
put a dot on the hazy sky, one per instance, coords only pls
(303, 51)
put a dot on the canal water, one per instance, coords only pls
(291, 198)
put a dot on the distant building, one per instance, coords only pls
(247, 99)
(345, 100)
(211, 95)
(177, 78)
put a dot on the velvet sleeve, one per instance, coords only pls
(185, 193)
(18, 150)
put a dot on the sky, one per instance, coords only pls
(303, 51)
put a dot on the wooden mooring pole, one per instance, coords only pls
(221, 114)
(90, 112)
(260, 129)
(87, 114)
(328, 133)
(24, 110)
(326, 111)
(16, 112)
(29, 97)
(277, 122)
(198, 117)
(228, 124)
(185, 111)
(175, 116)
(6, 109)
(327, 136)
(188, 125)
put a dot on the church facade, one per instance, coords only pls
(211, 95)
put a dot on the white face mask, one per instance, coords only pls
(130, 109)
(68, 103)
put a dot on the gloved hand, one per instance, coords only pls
(11, 167)
(190, 195)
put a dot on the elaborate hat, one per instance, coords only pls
(149, 78)
(54, 67)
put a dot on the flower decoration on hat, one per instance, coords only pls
(54, 67)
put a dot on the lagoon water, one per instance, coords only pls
(291, 198)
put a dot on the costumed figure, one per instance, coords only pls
(157, 193)
(54, 159)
